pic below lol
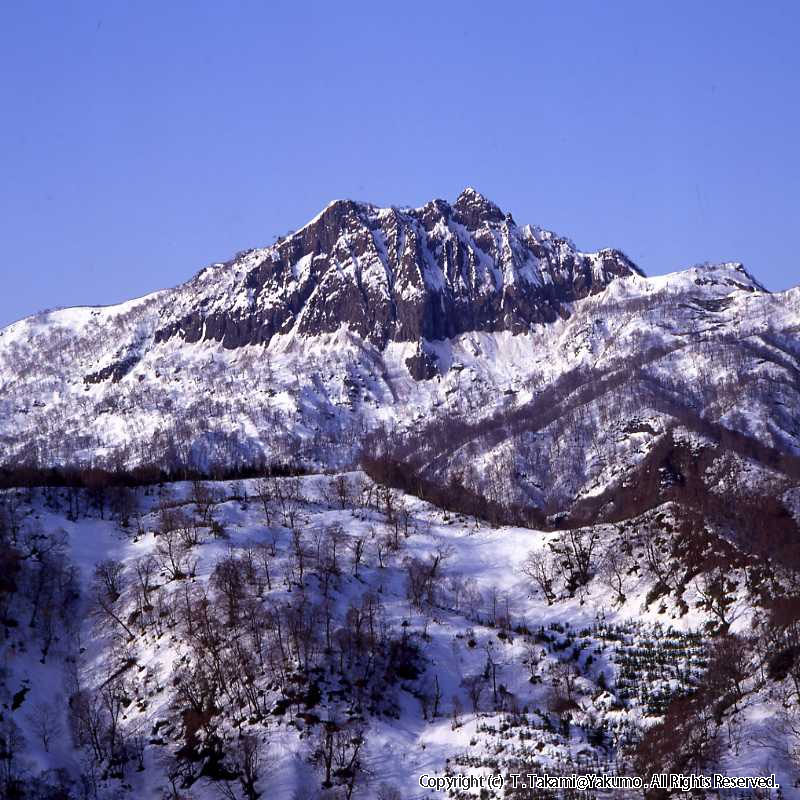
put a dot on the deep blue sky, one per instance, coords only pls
(140, 141)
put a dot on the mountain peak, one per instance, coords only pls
(410, 275)
(470, 193)
(474, 208)
(724, 277)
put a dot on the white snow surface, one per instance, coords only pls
(454, 640)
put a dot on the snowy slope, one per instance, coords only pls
(405, 318)
(485, 624)
(576, 547)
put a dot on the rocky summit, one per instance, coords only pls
(395, 274)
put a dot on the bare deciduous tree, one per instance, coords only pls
(45, 721)
(539, 566)
(474, 684)
(613, 570)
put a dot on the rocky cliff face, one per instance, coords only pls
(389, 274)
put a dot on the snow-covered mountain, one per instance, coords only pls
(565, 373)
(503, 507)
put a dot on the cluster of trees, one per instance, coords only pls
(39, 587)
(272, 636)
(199, 429)
(39, 597)
(540, 454)
(105, 479)
(675, 554)
(570, 561)
(698, 725)
(257, 656)
(268, 636)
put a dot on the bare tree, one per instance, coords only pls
(539, 566)
(173, 555)
(204, 498)
(335, 539)
(383, 544)
(613, 570)
(348, 742)
(12, 745)
(342, 491)
(563, 676)
(104, 607)
(145, 569)
(457, 711)
(729, 667)
(45, 721)
(108, 576)
(228, 579)
(123, 504)
(575, 549)
(357, 544)
(266, 553)
(246, 760)
(661, 566)
(266, 493)
(289, 495)
(718, 595)
(474, 685)
(437, 696)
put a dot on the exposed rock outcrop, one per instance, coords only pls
(390, 274)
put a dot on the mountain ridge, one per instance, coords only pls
(470, 202)
(394, 274)
(294, 352)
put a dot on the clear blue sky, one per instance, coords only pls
(140, 141)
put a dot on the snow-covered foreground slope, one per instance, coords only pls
(247, 639)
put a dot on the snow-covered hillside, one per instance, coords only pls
(504, 507)
(255, 638)
(409, 320)
(295, 333)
